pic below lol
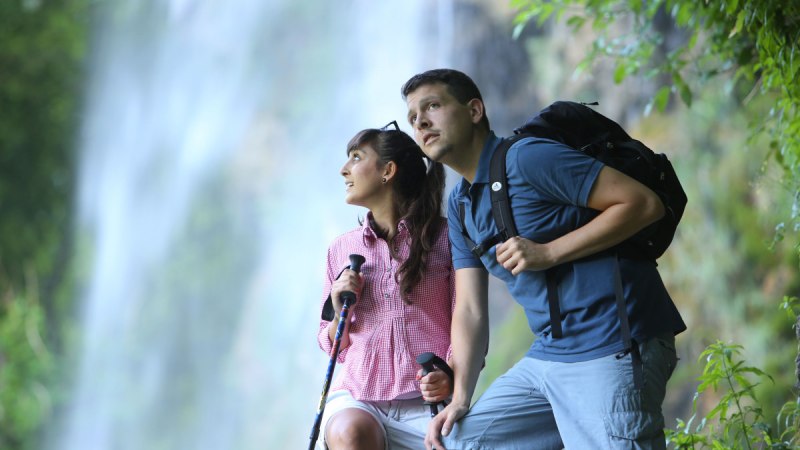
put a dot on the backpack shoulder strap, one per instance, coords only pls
(501, 206)
(498, 187)
(501, 210)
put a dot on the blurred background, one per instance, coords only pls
(169, 183)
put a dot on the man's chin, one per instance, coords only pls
(438, 153)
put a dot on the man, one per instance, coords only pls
(581, 390)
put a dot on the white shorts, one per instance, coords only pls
(403, 422)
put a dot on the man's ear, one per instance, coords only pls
(476, 110)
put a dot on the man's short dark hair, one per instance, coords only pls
(459, 85)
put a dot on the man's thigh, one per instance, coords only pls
(597, 405)
(512, 414)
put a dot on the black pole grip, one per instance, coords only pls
(349, 298)
(429, 362)
(426, 361)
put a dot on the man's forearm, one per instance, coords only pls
(470, 337)
(626, 207)
(611, 227)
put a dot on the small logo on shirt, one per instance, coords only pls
(497, 186)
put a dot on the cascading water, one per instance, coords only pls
(214, 132)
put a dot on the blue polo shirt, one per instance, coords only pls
(549, 186)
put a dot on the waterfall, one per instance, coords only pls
(209, 190)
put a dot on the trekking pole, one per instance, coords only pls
(429, 362)
(348, 299)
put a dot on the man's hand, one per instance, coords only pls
(518, 254)
(435, 386)
(442, 424)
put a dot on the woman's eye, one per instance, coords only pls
(412, 119)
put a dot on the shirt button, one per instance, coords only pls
(397, 249)
(386, 295)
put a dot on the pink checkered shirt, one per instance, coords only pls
(386, 334)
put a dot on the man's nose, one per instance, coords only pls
(422, 122)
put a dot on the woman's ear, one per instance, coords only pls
(389, 171)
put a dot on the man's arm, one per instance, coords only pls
(626, 207)
(470, 337)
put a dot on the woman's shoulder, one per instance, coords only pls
(348, 238)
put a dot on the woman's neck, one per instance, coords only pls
(385, 222)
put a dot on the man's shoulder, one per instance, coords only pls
(535, 143)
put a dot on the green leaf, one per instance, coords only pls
(684, 91)
(576, 22)
(662, 98)
(620, 72)
(738, 26)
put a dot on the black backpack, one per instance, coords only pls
(584, 129)
(588, 131)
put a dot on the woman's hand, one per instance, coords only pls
(435, 386)
(348, 281)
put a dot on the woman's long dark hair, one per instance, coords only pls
(419, 188)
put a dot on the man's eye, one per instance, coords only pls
(433, 106)
(412, 119)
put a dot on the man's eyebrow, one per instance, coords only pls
(429, 98)
(424, 100)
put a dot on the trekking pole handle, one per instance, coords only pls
(429, 362)
(348, 297)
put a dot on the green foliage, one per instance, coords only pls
(27, 367)
(754, 45)
(41, 68)
(792, 305)
(42, 49)
(736, 420)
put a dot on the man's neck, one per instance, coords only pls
(470, 156)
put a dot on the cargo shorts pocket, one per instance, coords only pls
(628, 421)
(634, 425)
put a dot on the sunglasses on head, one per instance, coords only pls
(390, 124)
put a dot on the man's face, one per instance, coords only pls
(441, 124)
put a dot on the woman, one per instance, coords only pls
(405, 295)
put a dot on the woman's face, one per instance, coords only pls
(363, 177)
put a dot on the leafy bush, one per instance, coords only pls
(27, 367)
(737, 420)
